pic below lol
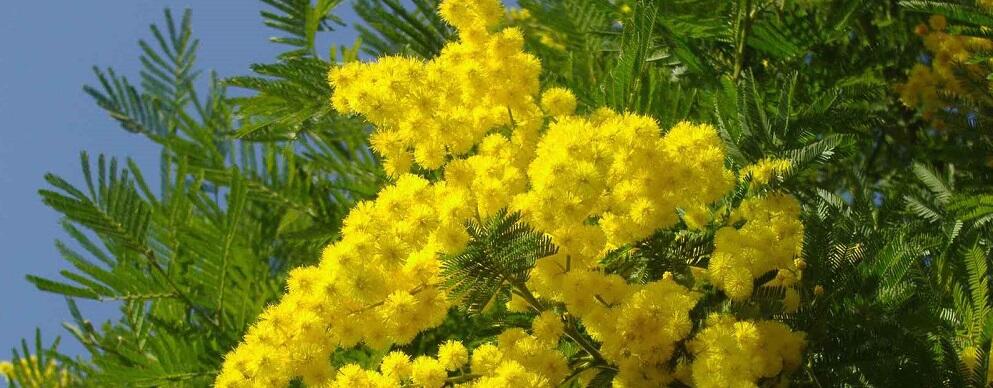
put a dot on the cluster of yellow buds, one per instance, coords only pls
(519, 359)
(730, 353)
(29, 373)
(618, 169)
(950, 74)
(592, 183)
(766, 170)
(770, 239)
(430, 111)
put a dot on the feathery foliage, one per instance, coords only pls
(896, 200)
(500, 254)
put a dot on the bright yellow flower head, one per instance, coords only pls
(548, 327)
(731, 353)
(696, 217)
(426, 112)
(30, 372)
(770, 239)
(396, 365)
(317, 371)
(486, 358)
(453, 355)
(352, 375)
(558, 102)
(428, 372)
(765, 170)
(951, 73)
(6, 369)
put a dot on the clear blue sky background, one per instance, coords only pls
(46, 52)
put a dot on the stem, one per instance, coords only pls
(178, 376)
(413, 291)
(602, 301)
(812, 377)
(219, 313)
(154, 262)
(576, 372)
(744, 25)
(573, 333)
(463, 378)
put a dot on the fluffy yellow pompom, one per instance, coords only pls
(6, 369)
(453, 355)
(486, 358)
(770, 238)
(428, 372)
(730, 353)
(558, 102)
(396, 365)
(548, 327)
(765, 170)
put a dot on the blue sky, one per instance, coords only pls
(46, 120)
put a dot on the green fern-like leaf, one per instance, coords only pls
(300, 20)
(501, 252)
(390, 27)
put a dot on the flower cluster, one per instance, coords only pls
(637, 325)
(519, 359)
(618, 170)
(769, 238)
(30, 373)
(377, 285)
(592, 183)
(950, 74)
(640, 334)
(765, 170)
(430, 111)
(730, 353)
(397, 369)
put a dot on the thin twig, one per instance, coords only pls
(744, 25)
(463, 378)
(153, 261)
